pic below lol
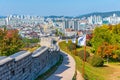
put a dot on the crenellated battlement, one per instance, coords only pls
(25, 65)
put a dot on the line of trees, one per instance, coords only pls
(106, 41)
(30, 42)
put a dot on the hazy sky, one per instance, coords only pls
(57, 7)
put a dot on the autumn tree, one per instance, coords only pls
(10, 42)
(108, 51)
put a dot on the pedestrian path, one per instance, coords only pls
(66, 70)
(79, 76)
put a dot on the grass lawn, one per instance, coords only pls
(92, 73)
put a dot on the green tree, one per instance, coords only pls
(30, 42)
(106, 33)
(58, 33)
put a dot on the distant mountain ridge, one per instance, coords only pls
(102, 14)
(3, 16)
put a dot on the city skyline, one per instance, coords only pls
(59, 8)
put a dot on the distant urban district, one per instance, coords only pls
(34, 25)
(24, 32)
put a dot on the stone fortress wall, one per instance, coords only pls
(25, 65)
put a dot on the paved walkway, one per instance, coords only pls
(79, 76)
(66, 70)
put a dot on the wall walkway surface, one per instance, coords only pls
(66, 70)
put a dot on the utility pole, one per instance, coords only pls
(83, 69)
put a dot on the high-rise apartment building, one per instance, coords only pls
(95, 19)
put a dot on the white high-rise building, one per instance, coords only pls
(7, 21)
(95, 20)
(90, 20)
(76, 24)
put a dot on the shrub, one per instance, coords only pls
(96, 61)
(72, 47)
(88, 43)
(92, 50)
(81, 54)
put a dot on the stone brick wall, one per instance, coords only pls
(25, 65)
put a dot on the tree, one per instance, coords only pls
(10, 42)
(118, 54)
(106, 41)
(58, 33)
(100, 35)
(108, 51)
(30, 42)
(106, 33)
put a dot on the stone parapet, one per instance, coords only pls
(25, 65)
